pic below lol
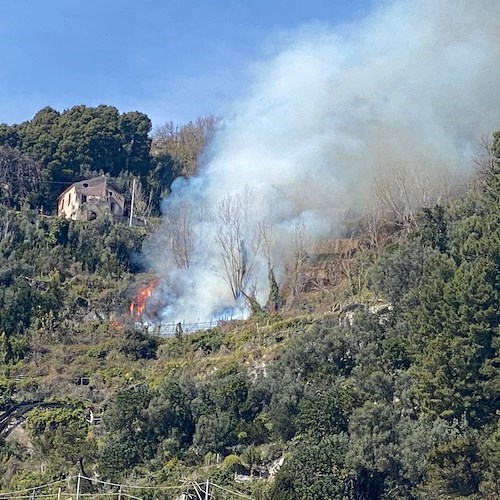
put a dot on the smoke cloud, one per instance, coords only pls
(414, 84)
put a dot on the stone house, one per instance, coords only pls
(90, 199)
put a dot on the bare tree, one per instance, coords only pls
(394, 191)
(143, 203)
(268, 240)
(295, 269)
(485, 162)
(347, 249)
(403, 189)
(372, 223)
(451, 184)
(238, 242)
(185, 143)
(179, 233)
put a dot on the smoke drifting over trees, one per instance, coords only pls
(331, 117)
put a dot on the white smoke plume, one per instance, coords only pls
(415, 84)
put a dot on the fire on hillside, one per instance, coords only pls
(138, 304)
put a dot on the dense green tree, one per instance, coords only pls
(452, 464)
(136, 145)
(432, 228)
(138, 344)
(130, 438)
(171, 414)
(373, 445)
(455, 327)
(39, 137)
(399, 271)
(230, 390)
(325, 412)
(315, 356)
(61, 439)
(315, 471)
(489, 447)
(9, 135)
(215, 432)
(20, 178)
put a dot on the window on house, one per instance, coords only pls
(84, 198)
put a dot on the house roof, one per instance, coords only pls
(96, 186)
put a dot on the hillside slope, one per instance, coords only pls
(384, 385)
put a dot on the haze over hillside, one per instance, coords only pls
(331, 121)
(348, 208)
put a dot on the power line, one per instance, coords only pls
(199, 488)
(36, 487)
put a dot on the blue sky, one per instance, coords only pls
(172, 59)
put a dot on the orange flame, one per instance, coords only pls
(138, 305)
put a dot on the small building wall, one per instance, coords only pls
(68, 204)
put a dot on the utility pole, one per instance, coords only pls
(132, 202)
(77, 497)
(206, 490)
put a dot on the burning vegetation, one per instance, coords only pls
(138, 304)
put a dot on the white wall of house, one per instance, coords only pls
(69, 204)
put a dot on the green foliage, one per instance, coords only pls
(399, 271)
(315, 471)
(230, 391)
(54, 270)
(215, 432)
(490, 456)
(373, 446)
(130, 439)
(432, 228)
(322, 413)
(457, 320)
(388, 404)
(19, 178)
(81, 142)
(172, 414)
(453, 465)
(61, 438)
(138, 344)
(233, 463)
(251, 458)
